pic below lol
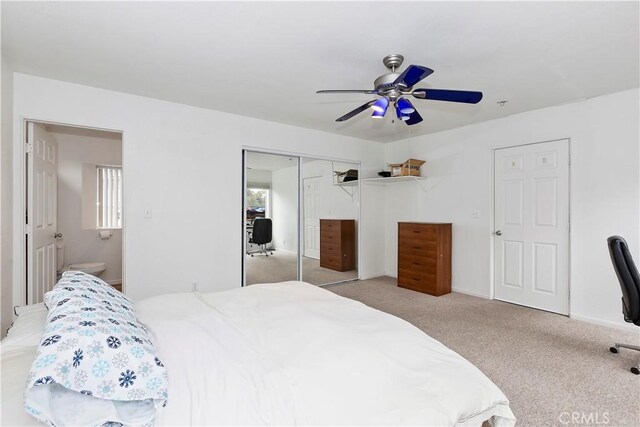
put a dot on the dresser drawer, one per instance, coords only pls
(416, 263)
(330, 248)
(330, 238)
(331, 261)
(417, 231)
(416, 282)
(418, 249)
(328, 225)
(416, 275)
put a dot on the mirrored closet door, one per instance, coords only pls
(300, 219)
(271, 188)
(329, 221)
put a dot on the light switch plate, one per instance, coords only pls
(475, 214)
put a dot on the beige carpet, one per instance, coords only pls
(282, 266)
(546, 364)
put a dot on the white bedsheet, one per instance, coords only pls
(292, 353)
(15, 366)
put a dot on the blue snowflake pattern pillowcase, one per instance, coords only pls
(96, 362)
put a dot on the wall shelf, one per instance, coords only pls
(392, 179)
(347, 184)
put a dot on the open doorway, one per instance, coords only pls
(74, 210)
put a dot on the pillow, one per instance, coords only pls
(27, 329)
(19, 310)
(96, 363)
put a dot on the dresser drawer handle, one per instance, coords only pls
(416, 231)
(416, 263)
(417, 247)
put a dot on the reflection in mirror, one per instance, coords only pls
(271, 223)
(330, 216)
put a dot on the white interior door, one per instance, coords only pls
(42, 205)
(532, 225)
(312, 217)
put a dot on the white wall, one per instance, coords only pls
(84, 245)
(284, 208)
(605, 193)
(6, 214)
(185, 164)
(335, 203)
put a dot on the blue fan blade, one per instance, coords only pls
(358, 110)
(412, 75)
(414, 118)
(465, 96)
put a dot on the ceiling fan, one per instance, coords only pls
(393, 87)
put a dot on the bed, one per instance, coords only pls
(294, 354)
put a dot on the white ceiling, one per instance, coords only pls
(269, 162)
(267, 59)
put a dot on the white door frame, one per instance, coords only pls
(300, 156)
(19, 291)
(492, 226)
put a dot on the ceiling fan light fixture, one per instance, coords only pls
(401, 116)
(378, 114)
(405, 106)
(381, 105)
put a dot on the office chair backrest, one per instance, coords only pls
(262, 229)
(627, 276)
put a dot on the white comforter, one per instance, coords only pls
(292, 353)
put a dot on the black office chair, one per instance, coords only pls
(261, 235)
(630, 283)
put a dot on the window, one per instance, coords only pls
(109, 196)
(257, 202)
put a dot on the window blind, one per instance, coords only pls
(109, 197)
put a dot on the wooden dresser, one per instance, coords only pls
(424, 257)
(338, 244)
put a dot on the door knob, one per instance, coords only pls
(498, 232)
(57, 235)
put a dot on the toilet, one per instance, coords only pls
(93, 268)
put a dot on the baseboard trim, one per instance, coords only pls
(620, 326)
(114, 281)
(473, 294)
(372, 276)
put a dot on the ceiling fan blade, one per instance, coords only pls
(468, 97)
(358, 110)
(370, 92)
(412, 75)
(414, 118)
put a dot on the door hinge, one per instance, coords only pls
(27, 229)
(28, 148)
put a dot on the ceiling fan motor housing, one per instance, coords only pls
(384, 85)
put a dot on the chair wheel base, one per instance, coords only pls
(613, 350)
(635, 370)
